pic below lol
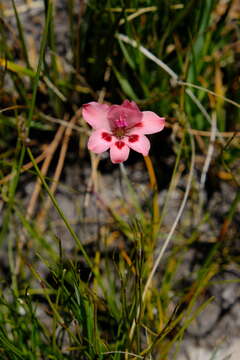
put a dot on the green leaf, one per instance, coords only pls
(125, 85)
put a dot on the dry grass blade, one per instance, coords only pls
(139, 12)
(206, 165)
(209, 92)
(169, 237)
(43, 213)
(178, 128)
(149, 55)
(52, 148)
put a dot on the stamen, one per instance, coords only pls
(121, 122)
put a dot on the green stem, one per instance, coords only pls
(68, 226)
(59, 210)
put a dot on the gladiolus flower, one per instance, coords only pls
(120, 128)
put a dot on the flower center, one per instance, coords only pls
(119, 132)
(120, 127)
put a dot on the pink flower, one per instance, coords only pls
(120, 128)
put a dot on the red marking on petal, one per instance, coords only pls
(138, 125)
(133, 138)
(106, 136)
(119, 144)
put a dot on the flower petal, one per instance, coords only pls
(95, 114)
(139, 143)
(130, 105)
(151, 123)
(100, 141)
(127, 112)
(119, 151)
